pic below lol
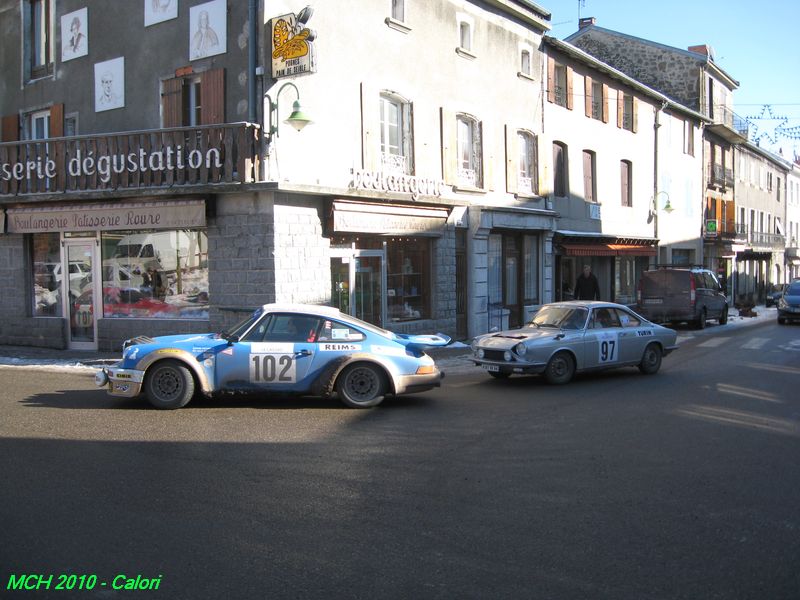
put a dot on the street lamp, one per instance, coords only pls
(298, 119)
(667, 208)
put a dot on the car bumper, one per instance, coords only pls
(410, 384)
(124, 383)
(510, 367)
(789, 314)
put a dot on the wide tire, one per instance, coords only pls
(700, 323)
(723, 318)
(361, 385)
(169, 384)
(560, 369)
(499, 374)
(651, 359)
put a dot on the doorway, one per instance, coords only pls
(358, 281)
(81, 296)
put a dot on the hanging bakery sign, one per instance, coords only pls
(292, 45)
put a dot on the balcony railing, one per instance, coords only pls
(720, 176)
(772, 241)
(725, 116)
(211, 154)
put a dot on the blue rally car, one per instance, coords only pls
(295, 349)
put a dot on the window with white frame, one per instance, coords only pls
(525, 62)
(468, 133)
(36, 125)
(465, 36)
(526, 180)
(396, 134)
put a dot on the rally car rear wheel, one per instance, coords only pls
(651, 359)
(169, 384)
(361, 385)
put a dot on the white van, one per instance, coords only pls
(160, 250)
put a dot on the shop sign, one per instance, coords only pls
(711, 228)
(379, 181)
(292, 45)
(355, 217)
(108, 217)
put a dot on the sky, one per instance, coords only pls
(752, 43)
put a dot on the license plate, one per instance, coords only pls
(492, 368)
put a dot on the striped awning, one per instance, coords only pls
(608, 250)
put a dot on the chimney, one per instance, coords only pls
(703, 49)
(586, 22)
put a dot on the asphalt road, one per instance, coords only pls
(618, 485)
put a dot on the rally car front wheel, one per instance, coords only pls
(169, 384)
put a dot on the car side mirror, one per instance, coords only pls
(231, 339)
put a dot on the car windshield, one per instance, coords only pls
(794, 290)
(242, 326)
(563, 317)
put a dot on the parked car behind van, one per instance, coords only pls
(674, 294)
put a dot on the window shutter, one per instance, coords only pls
(449, 147)
(408, 132)
(620, 107)
(635, 115)
(212, 93)
(605, 103)
(587, 95)
(569, 88)
(370, 128)
(172, 103)
(551, 79)
(588, 174)
(9, 131)
(487, 157)
(57, 120)
(544, 163)
(512, 156)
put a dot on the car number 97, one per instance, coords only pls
(272, 368)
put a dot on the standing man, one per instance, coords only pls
(586, 287)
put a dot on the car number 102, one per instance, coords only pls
(272, 368)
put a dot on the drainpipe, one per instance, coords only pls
(656, 126)
(251, 61)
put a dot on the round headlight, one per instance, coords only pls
(521, 349)
(507, 355)
(480, 352)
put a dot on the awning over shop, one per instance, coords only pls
(608, 250)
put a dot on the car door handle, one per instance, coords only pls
(302, 353)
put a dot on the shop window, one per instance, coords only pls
(531, 270)
(408, 279)
(48, 275)
(396, 135)
(468, 133)
(155, 274)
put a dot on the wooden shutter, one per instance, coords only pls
(212, 97)
(544, 160)
(172, 103)
(620, 108)
(635, 115)
(57, 120)
(605, 103)
(370, 127)
(569, 88)
(587, 95)
(551, 79)
(512, 158)
(449, 147)
(9, 129)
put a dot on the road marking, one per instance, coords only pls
(755, 344)
(713, 342)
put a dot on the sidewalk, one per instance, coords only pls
(456, 353)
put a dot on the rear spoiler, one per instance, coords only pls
(420, 342)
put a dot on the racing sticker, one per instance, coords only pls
(608, 347)
(272, 368)
(340, 347)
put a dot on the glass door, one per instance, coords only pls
(82, 298)
(358, 281)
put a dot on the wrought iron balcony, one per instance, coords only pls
(159, 158)
(771, 241)
(721, 177)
